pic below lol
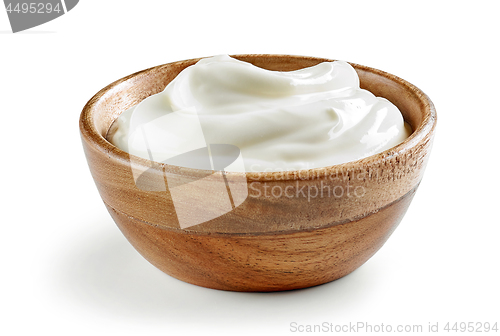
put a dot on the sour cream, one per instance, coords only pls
(309, 118)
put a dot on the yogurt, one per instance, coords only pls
(308, 118)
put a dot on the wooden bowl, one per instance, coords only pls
(266, 243)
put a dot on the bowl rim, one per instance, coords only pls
(426, 127)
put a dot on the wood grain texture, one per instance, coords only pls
(264, 262)
(382, 181)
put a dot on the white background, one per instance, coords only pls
(65, 267)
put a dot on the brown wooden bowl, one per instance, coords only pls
(267, 243)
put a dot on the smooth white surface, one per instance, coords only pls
(66, 268)
(280, 121)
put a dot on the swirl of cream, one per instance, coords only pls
(308, 118)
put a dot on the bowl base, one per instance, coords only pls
(264, 262)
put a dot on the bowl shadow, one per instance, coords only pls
(103, 272)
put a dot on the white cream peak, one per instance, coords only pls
(308, 118)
